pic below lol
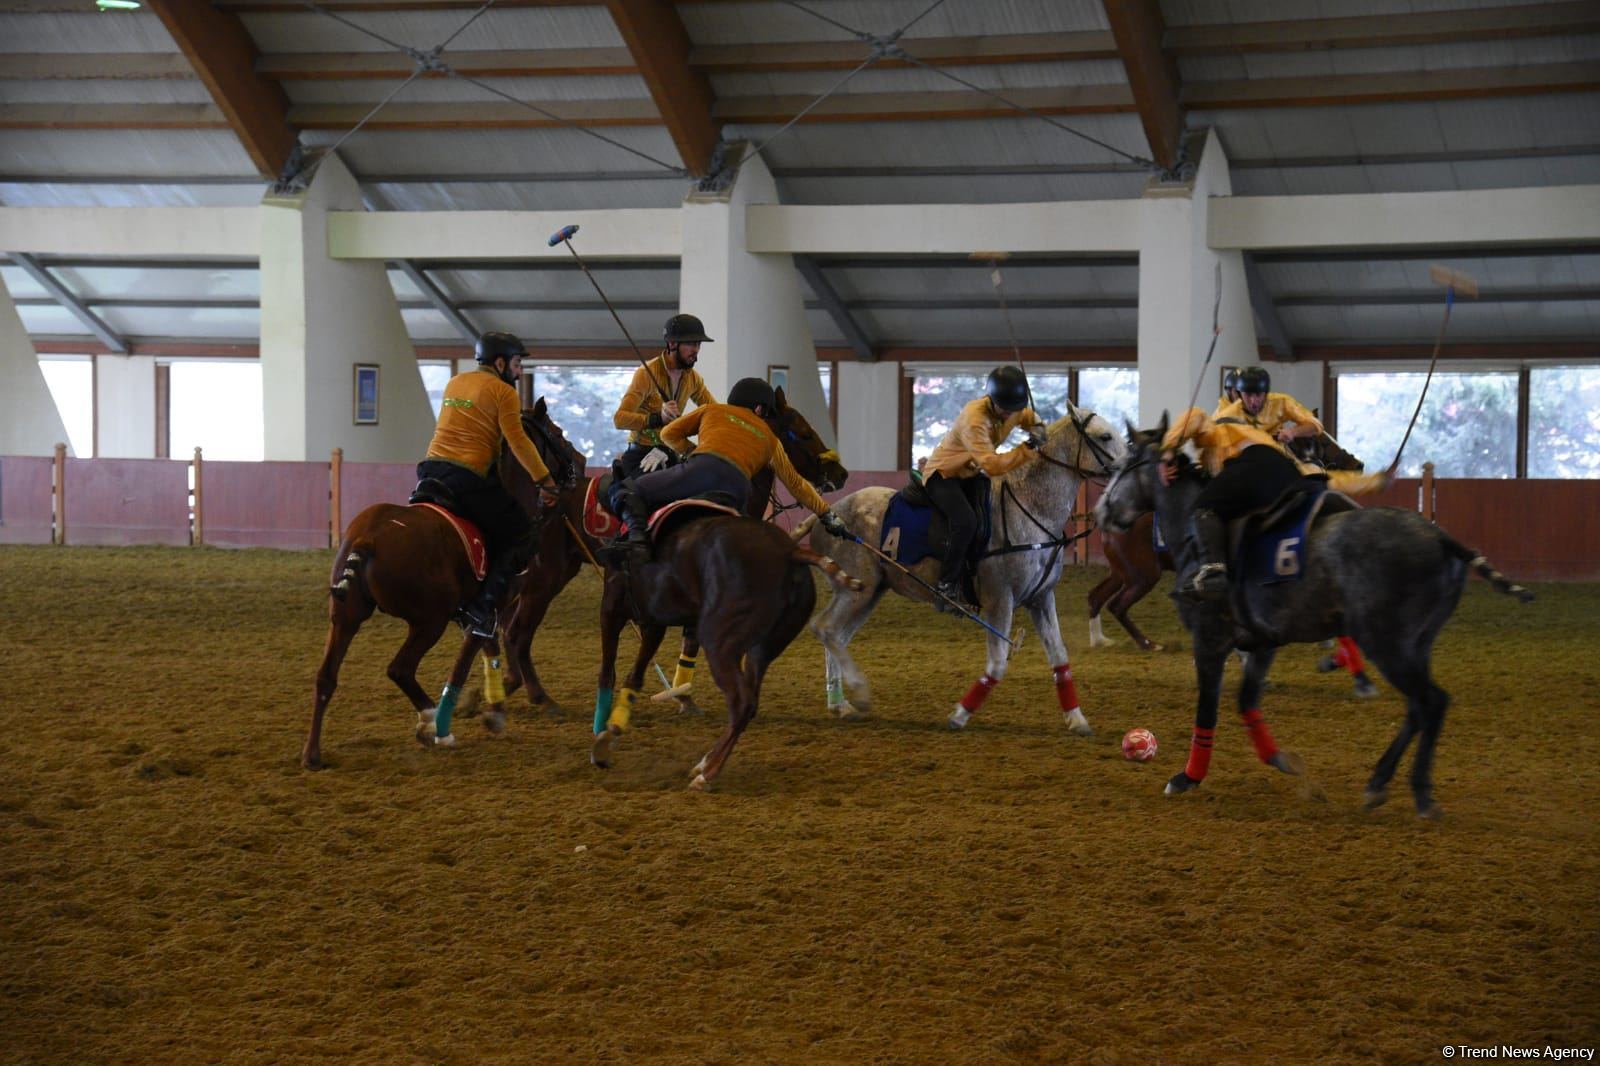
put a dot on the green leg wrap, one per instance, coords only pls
(836, 692)
(447, 710)
(602, 709)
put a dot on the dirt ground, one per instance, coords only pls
(176, 888)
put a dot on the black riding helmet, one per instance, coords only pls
(684, 328)
(1008, 388)
(498, 345)
(752, 393)
(1230, 380)
(1255, 379)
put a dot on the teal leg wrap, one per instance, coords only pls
(836, 692)
(447, 710)
(602, 709)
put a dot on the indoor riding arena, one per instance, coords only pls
(316, 747)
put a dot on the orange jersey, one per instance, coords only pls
(738, 435)
(1217, 441)
(1277, 411)
(643, 398)
(969, 447)
(479, 412)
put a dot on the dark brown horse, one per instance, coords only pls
(409, 562)
(740, 585)
(565, 548)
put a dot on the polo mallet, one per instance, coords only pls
(997, 279)
(1453, 281)
(587, 554)
(907, 572)
(564, 236)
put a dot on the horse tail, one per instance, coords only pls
(1474, 559)
(834, 571)
(348, 568)
(799, 532)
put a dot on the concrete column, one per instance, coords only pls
(29, 421)
(319, 318)
(1177, 289)
(126, 399)
(869, 415)
(753, 304)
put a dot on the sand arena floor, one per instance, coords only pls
(176, 888)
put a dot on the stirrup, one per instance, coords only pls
(1209, 583)
(478, 625)
(951, 592)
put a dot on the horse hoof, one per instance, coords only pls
(1076, 723)
(446, 741)
(311, 762)
(552, 710)
(700, 767)
(958, 718)
(495, 722)
(1374, 798)
(1429, 811)
(424, 732)
(1151, 645)
(687, 705)
(847, 712)
(1365, 689)
(699, 784)
(1180, 783)
(1288, 762)
(600, 750)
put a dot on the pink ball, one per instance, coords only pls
(1139, 745)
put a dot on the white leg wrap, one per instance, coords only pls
(959, 717)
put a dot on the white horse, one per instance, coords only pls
(1031, 508)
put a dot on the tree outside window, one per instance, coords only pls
(937, 398)
(583, 400)
(1110, 392)
(1467, 427)
(1564, 422)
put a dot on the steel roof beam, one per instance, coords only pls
(837, 310)
(1137, 26)
(659, 43)
(60, 294)
(1266, 313)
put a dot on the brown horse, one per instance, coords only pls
(741, 586)
(409, 562)
(565, 548)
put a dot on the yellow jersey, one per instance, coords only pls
(738, 435)
(643, 398)
(479, 412)
(969, 446)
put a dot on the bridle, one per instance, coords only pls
(1085, 440)
(565, 460)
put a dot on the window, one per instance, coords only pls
(825, 371)
(1564, 422)
(1110, 392)
(216, 407)
(582, 400)
(1467, 427)
(435, 376)
(71, 382)
(937, 398)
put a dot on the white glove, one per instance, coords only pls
(654, 459)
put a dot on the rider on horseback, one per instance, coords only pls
(1230, 390)
(1274, 413)
(1248, 471)
(481, 410)
(732, 447)
(968, 451)
(643, 411)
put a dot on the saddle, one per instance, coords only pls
(472, 541)
(601, 522)
(1267, 546)
(914, 529)
(598, 521)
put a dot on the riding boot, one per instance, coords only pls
(636, 514)
(479, 617)
(950, 591)
(1210, 582)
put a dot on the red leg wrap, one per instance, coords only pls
(1260, 735)
(1066, 690)
(1349, 656)
(1199, 754)
(978, 692)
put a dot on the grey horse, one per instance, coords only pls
(1033, 503)
(1384, 576)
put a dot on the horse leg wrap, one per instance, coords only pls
(683, 676)
(602, 709)
(1349, 656)
(1260, 735)
(447, 708)
(494, 685)
(978, 693)
(1199, 754)
(836, 692)
(622, 713)
(1066, 689)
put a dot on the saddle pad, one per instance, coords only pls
(471, 539)
(663, 513)
(906, 531)
(1268, 556)
(597, 521)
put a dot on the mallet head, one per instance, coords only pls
(1456, 280)
(562, 234)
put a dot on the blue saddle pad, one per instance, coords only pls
(1267, 557)
(906, 529)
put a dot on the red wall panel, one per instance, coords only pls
(364, 484)
(265, 505)
(127, 501)
(25, 500)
